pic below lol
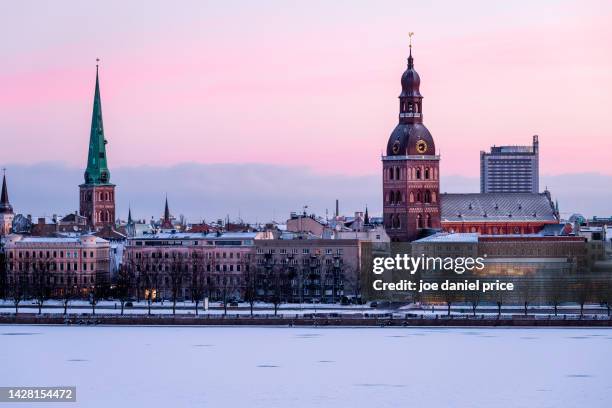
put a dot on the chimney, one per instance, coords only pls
(337, 208)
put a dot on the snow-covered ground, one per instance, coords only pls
(312, 367)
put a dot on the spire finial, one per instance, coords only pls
(410, 63)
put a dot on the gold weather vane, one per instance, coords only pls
(410, 34)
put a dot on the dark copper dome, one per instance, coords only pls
(410, 139)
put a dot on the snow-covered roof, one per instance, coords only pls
(459, 237)
(197, 235)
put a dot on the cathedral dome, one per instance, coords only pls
(410, 139)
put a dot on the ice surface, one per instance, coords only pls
(312, 367)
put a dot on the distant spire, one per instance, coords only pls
(366, 218)
(129, 221)
(5, 205)
(166, 223)
(166, 210)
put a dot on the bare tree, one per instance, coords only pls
(67, 293)
(97, 289)
(198, 281)
(41, 281)
(178, 272)
(583, 291)
(473, 297)
(149, 278)
(125, 280)
(250, 289)
(278, 286)
(556, 290)
(18, 287)
(527, 293)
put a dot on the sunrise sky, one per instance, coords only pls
(311, 84)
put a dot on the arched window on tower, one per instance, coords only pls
(427, 197)
(419, 221)
(390, 173)
(428, 221)
(391, 197)
(427, 173)
(398, 197)
(418, 196)
(397, 173)
(396, 222)
(418, 173)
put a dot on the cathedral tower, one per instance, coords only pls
(97, 194)
(411, 173)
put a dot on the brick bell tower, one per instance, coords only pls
(97, 194)
(411, 171)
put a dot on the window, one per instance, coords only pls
(427, 173)
(418, 174)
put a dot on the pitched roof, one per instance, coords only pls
(496, 207)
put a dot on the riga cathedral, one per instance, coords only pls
(97, 193)
(411, 171)
(412, 204)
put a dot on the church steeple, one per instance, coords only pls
(97, 169)
(97, 194)
(5, 205)
(166, 222)
(6, 210)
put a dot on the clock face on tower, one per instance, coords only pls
(421, 146)
(396, 147)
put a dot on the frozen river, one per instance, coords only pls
(312, 367)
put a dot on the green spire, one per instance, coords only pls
(97, 169)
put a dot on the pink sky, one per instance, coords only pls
(310, 84)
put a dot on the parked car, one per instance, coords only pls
(129, 304)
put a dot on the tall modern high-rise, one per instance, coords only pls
(97, 193)
(510, 169)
